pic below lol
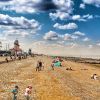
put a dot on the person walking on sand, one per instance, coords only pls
(52, 66)
(15, 92)
(39, 66)
(28, 92)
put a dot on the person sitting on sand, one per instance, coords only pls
(94, 76)
(28, 92)
(15, 92)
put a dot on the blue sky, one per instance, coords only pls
(60, 27)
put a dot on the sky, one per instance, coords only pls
(55, 27)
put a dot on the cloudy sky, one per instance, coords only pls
(59, 27)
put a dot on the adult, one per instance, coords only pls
(39, 66)
(94, 76)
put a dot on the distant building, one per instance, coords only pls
(16, 50)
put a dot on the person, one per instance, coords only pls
(15, 92)
(11, 58)
(6, 59)
(19, 57)
(39, 66)
(94, 76)
(28, 92)
(52, 65)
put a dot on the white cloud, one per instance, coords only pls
(19, 22)
(59, 15)
(75, 37)
(67, 37)
(14, 32)
(88, 16)
(66, 16)
(90, 46)
(82, 18)
(18, 26)
(51, 35)
(2, 38)
(86, 39)
(31, 6)
(22, 6)
(76, 17)
(70, 37)
(93, 2)
(66, 26)
(73, 45)
(79, 33)
(72, 48)
(98, 44)
(82, 6)
(61, 42)
(64, 5)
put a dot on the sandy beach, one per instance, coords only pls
(48, 84)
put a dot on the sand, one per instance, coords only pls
(48, 84)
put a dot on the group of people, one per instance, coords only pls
(12, 58)
(40, 64)
(27, 93)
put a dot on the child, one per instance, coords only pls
(28, 92)
(15, 92)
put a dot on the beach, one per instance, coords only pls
(48, 84)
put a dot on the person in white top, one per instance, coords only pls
(94, 76)
(28, 92)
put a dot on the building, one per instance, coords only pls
(16, 50)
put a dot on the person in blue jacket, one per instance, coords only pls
(15, 92)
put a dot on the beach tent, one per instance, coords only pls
(57, 64)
